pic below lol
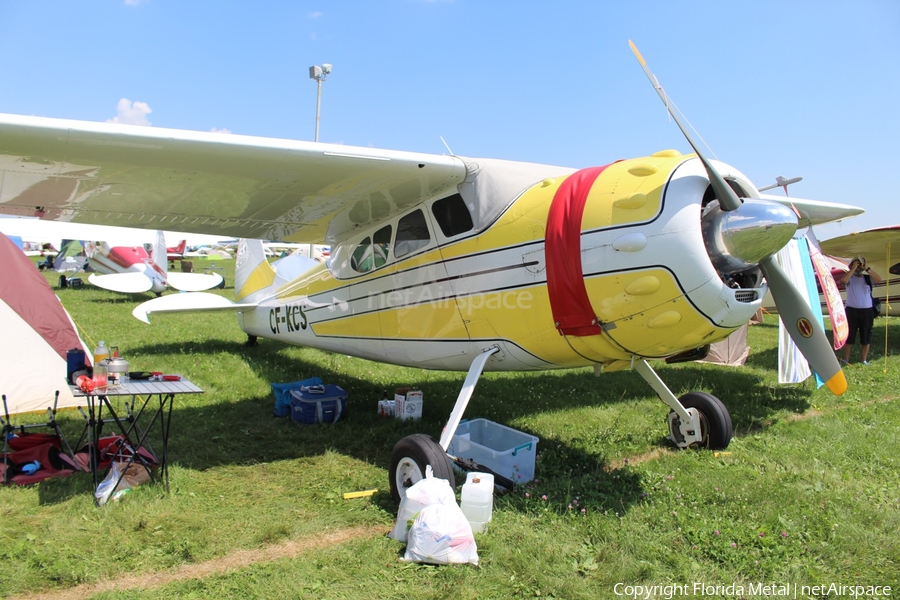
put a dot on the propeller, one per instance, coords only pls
(803, 327)
(795, 312)
(728, 199)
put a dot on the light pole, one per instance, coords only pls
(319, 74)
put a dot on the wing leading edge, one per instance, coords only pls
(215, 183)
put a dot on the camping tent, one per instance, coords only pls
(733, 350)
(37, 333)
(71, 256)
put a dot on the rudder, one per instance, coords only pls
(252, 271)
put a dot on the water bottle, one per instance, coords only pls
(477, 500)
(100, 352)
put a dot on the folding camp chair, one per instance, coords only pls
(18, 442)
(51, 422)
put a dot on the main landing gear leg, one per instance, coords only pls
(413, 454)
(697, 419)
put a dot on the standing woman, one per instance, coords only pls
(860, 315)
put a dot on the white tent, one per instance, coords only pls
(37, 333)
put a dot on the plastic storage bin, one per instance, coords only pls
(324, 407)
(504, 450)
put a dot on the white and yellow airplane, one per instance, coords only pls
(446, 262)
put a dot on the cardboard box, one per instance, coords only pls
(408, 404)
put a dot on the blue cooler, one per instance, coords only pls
(283, 394)
(318, 404)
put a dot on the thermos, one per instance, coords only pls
(74, 361)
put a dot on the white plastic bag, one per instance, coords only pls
(425, 492)
(441, 535)
(108, 486)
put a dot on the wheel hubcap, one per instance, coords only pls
(675, 431)
(408, 473)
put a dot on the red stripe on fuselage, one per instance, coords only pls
(569, 301)
(125, 256)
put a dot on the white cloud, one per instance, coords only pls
(217, 130)
(135, 2)
(314, 15)
(132, 113)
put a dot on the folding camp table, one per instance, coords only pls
(129, 425)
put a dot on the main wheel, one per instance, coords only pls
(411, 456)
(715, 422)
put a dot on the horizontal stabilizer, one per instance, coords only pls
(816, 212)
(126, 283)
(188, 302)
(193, 282)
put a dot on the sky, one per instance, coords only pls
(792, 88)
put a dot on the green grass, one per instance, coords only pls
(807, 494)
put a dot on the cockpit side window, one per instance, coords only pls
(452, 215)
(382, 245)
(362, 260)
(412, 234)
(369, 255)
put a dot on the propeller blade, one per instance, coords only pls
(728, 199)
(803, 327)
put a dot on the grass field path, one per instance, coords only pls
(235, 560)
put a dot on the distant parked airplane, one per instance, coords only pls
(130, 269)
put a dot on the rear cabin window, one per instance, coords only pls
(372, 252)
(452, 215)
(412, 234)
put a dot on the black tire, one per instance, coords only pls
(409, 458)
(715, 422)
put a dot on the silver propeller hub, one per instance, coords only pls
(739, 239)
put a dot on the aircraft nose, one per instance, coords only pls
(739, 239)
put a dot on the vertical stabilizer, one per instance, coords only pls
(159, 255)
(252, 271)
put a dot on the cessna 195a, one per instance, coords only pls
(447, 262)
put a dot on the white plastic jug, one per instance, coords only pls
(100, 352)
(477, 500)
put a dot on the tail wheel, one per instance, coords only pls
(409, 459)
(715, 422)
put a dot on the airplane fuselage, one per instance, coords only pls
(644, 268)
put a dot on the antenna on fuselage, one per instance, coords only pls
(447, 146)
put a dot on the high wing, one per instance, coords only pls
(223, 184)
(872, 243)
(815, 212)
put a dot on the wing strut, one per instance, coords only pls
(464, 395)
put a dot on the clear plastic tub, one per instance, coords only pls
(504, 450)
